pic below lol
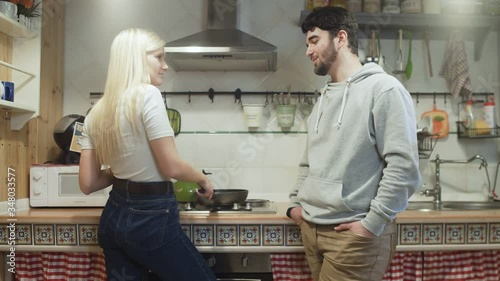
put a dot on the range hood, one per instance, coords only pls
(221, 47)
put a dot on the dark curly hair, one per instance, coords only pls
(333, 19)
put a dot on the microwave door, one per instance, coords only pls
(69, 192)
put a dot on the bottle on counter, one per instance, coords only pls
(490, 114)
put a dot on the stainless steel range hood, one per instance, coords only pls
(221, 47)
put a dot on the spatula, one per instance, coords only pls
(409, 64)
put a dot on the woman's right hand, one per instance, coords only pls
(207, 188)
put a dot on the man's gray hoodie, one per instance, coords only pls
(361, 159)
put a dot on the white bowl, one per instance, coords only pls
(9, 9)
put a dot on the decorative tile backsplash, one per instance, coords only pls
(413, 235)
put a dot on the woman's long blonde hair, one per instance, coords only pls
(128, 74)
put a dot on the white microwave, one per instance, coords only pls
(57, 186)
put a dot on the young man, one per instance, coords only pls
(360, 165)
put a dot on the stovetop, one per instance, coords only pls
(266, 207)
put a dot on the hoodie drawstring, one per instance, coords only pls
(344, 101)
(319, 108)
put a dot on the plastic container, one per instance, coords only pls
(253, 114)
(411, 6)
(490, 115)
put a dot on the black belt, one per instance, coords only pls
(158, 187)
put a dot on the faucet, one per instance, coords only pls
(436, 191)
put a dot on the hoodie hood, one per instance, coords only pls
(366, 70)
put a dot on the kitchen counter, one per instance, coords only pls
(75, 229)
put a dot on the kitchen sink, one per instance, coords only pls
(453, 206)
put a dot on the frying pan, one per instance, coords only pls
(224, 197)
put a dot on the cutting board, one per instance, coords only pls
(440, 122)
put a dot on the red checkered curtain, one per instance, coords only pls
(290, 267)
(462, 266)
(405, 266)
(42, 266)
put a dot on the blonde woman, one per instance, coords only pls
(128, 133)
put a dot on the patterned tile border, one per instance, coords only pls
(272, 235)
(432, 234)
(186, 228)
(23, 234)
(87, 234)
(455, 233)
(43, 234)
(249, 235)
(203, 235)
(409, 234)
(494, 237)
(293, 235)
(66, 234)
(225, 235)
(477, 233)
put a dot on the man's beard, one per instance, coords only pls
(324, 66)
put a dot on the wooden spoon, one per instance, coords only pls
(427, 35)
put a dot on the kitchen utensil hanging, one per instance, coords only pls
(399, 60)
(427, 39)
(440, 123)
(381, 59)
(409, 64)
(174, 117)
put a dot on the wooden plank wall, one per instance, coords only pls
(34, 143)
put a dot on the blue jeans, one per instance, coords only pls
(142, 240)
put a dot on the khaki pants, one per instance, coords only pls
(344, 256)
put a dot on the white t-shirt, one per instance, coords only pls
(137, 162)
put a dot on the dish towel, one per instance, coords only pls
(455, 67)
(290, 267)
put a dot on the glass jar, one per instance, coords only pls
(371, 6)
(338, 3)
(355, 6)
(411, 6)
